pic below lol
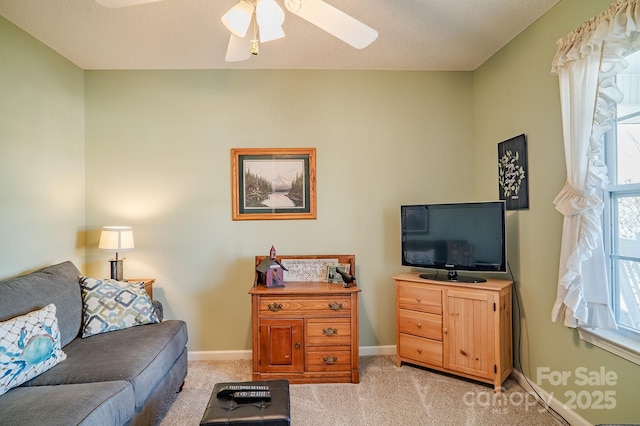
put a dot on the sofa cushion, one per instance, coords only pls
(140, 355)
(29, 345)
(109, 305)
(57, 284)
(87, 404)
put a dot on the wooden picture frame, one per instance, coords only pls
(273, 183)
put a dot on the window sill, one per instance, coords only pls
(613, 341)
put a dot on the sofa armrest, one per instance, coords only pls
(158, 309)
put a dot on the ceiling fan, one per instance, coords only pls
(267, 17)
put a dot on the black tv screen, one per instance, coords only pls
(454, 237)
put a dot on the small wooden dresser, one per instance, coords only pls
(306, 332)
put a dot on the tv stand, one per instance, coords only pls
(461, 329)
(452, 276)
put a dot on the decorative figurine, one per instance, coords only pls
(271, 271)
(347, 278)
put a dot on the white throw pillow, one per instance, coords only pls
(29, 346)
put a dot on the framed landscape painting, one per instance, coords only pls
(273, 183)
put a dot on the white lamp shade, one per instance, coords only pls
(116, 238)
(238, 18)
(269, 33)
(270, 18)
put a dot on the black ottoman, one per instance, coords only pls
(226, 411)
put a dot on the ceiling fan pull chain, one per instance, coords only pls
(255, 45)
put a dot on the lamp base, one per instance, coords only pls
(116, 269)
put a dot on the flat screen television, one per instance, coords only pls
(454, 237)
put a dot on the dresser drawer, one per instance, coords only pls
(326, 306)
(328, 360)
(420, 324)
(334, 331)
(421, 349)
(419, 298)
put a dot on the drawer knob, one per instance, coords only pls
(274, 307)
(298, 345)
(420, 351)
(330, 331)
(445, 330)
(335, 306)
(419, 325)
(418, 300)
(329, 360)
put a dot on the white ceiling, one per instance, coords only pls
(451, 35)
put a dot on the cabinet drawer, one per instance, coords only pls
(327, 306)
(421, 349)
(419, 298)
(420, 324)
(328, 360)
(335, 331)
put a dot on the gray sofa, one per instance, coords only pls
(122, 377)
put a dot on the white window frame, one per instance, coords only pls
(614, 341)
(622, 342)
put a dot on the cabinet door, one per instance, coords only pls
(281, 346)
(469, 332)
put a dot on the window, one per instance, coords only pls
(622, 206)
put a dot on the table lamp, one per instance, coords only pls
(116, 239)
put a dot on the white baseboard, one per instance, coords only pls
(218, 355)
(377, 350)
(246, 354)
(530, 386)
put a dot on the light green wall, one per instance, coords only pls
(42, 204)
(158, 158)
(516, 93)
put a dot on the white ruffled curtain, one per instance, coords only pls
(586, 62)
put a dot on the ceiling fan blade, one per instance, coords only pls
(333, 21)
(238, 18)
(122, 3)
(238, 49)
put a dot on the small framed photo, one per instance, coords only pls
(333, 276)
(273, 183)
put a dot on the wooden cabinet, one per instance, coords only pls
(306, 332)
(459, 328)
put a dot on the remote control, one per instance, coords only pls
(231, 389)
(249, 396)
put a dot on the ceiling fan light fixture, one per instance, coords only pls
(270, 17)
(238, 49)
(269, 33)
(238, 18)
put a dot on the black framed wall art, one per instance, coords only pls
(513, 174)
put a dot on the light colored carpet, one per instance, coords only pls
(386, 395)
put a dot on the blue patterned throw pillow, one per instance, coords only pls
(109, 305)
(29, 346)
